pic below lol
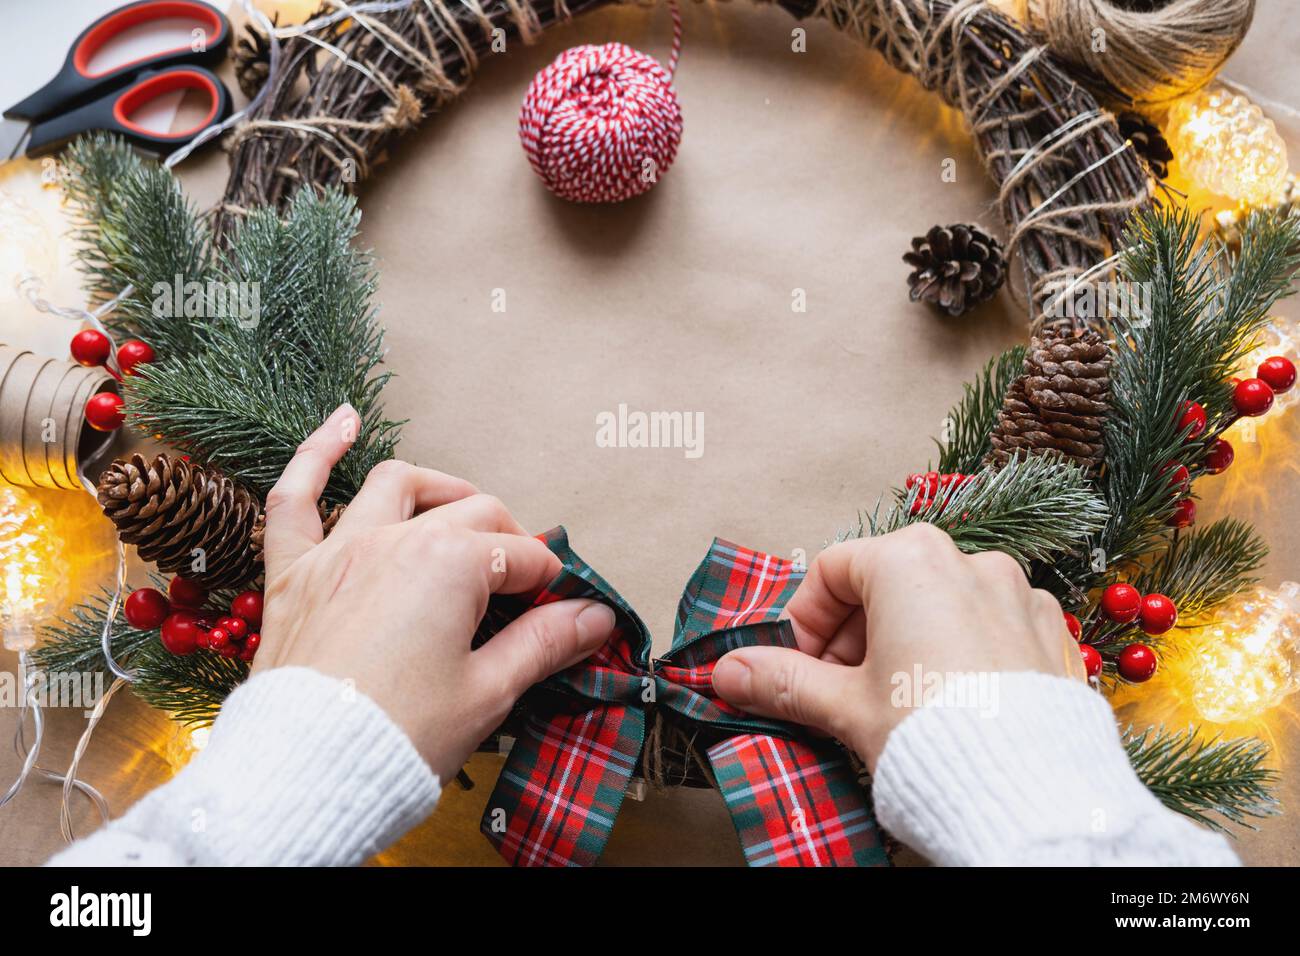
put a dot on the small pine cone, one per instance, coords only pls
(329, 517)
(169, 509)
(1060, 401)
(1148, 142)
(251, 54)
(955, 267)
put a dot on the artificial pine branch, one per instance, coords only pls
(135, 229)
(1031, 509)
(1206, 567)
(257, 390)
(972, 419)
(189, 688)
(1205, 309)
(1205, 779)
(73, 643)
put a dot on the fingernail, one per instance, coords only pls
(343, 410)
(595, 623)
(738, 679)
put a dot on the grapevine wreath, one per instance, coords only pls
(1074, 454)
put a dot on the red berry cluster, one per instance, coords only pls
(92, 348)
(1254, 396)
(186, 626)
(932, 484)
(1124, 604)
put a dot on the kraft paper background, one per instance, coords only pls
(797, 172)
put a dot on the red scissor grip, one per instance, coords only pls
(115, 23)
(151, 88)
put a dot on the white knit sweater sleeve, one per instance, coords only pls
(300, 769)
(1039, 778)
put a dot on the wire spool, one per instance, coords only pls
(44, 439)
(1148, 51)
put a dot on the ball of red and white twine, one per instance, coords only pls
(602, 123)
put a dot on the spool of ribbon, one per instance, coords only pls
(44, 439)
(794, 798)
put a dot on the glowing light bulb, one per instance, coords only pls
(1226, 144)
(32, 567)
(183, 744)
(27, 246)
(1246, 661)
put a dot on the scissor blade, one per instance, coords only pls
(13, 139)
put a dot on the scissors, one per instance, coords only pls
(78, 100)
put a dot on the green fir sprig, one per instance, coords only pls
(1205, 779)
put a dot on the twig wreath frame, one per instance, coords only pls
(1067, 179)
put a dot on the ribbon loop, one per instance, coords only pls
(794, 800)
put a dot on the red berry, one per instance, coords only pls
(1219, 457)
(90, 348)
(1157, 614)
(1191, 413)
(1073, 626)
(186, 593)
(248, 606)
(180, 632)
(231, 649)
(1252, 397)
(104, 411)
(252, 643)
(921, 503)
(218, 638)
(1179, 477)
(132, 353)
(1184, 515)
(146, 609)
(1091, 659)
(203, 639)
(1121, 603)
(1137, 663)
(236, 627)
(1277, 372)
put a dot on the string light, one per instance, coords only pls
(28, 246)
(1226, 144)
(1246, 661)
(32, 562)
(183, 744)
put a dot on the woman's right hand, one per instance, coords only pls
(876, 615)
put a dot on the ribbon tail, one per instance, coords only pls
(796, 803)
(559, 793)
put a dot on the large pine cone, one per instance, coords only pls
(955, 267)
(168, 508)
(1060, 401)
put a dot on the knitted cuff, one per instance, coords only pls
(300, 769)
(1036, 774)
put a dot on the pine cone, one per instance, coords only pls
(955, 267)
(1060, 401)
(169, 508)
(329, 517)
(251, 54)
(1148, 142)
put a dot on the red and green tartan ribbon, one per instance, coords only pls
(793, 798)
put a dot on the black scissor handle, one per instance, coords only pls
(75, 85)
(113, 112)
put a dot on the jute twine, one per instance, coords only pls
(1147, 51)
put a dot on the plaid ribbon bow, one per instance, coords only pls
(793, 798)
